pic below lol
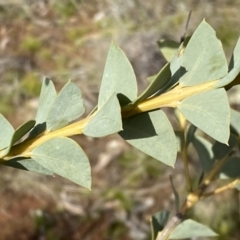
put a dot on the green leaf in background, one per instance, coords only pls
(176, 62)
(118, 77)
(204, 151)
(152, 134)
(156, 84)
(180, 139)
(191, 229)
(190, 134)
(232, 78)
(47, 97)
(64, 157)
(67, 107)
(229, 77)
(176, 195)
(168, 48)
(204, 58)
(210, 112)
(235, 121)
(28, 165)
(231, 168)
(19, 133)
(107, 121)
(6, 132)
(236, 56)
(221, 150)
(177, 71)
(158, 222)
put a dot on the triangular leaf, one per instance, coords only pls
(152, 134)
(204, 58)
(107, 121)
(64, 157)
(190, 229)
(158, 222)
(236, 56)
(156, 84)
(205, 153)
(47, 97)
(6, 132)
(28, 165)
(19, 133)
(176, 63)
(67, 107)
(22, 130)
(229, 77)
(210, 112)
(177, 71)
(118, 77)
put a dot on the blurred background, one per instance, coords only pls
(69, 40)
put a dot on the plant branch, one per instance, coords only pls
(170, 99)
(186, 163)
(171, 225)
(24, 149)
(191, 200)
(183, 123)
(221, 189)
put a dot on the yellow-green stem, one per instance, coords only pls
(221, 189)
(170, 99)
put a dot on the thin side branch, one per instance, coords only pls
(183, 124)
(221, 189)
(191, 200)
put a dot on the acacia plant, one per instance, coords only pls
(194, 82)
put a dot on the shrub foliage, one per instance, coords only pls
(194, 82)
